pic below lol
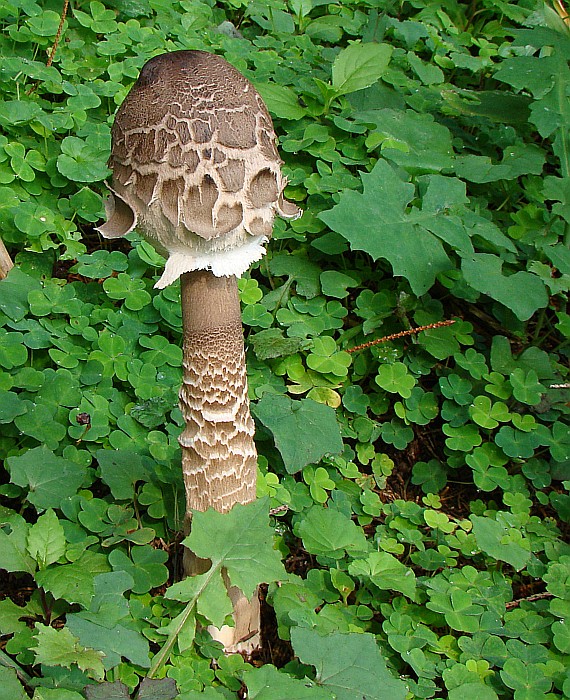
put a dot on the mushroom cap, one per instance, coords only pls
(195, 166)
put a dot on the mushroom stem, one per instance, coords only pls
(219, 459)
(6, 263)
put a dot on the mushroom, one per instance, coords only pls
(196, 170)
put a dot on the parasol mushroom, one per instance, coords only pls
(196, 170)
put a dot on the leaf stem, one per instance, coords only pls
(163, 655)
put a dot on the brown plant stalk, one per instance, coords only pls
(401, 334)
(56, 41)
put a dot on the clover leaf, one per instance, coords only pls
(396, 379)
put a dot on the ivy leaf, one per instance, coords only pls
(397, 235)
(522, 292)
(519, 159)
(241, 540)
(300, 269)
(489, 535)
(62, 648)
(271, 343)
(121, 470)
(304, 431)
(49, 478)
(386, 572)
(267, 683)
(359, 65)
(349, 665)
(329, 532)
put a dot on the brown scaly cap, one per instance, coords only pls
(195, 166)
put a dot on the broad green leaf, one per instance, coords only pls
(359, 65)
(15, 112)
(271, 343)
(496, 105)
(517, 160)
(267, 683)
(329, 532)
(413, 140)
(157, 689)
(241, 541)
(281, 101)
(522, 292)
(62, 648)
(300, 269)
(208, 591)
(378, 222)
(336, 284)
(12, 617)
(74, 582)
(14, 555)
(304, 431)
(386, 572)
(10, 686)
(49, 478)
(114, 640)
(46, 540)
(121, 470)
(349, 665)
(490, 534)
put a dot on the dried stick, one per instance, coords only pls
(58, 33)
(531, 598)
(56, 41)
(402, 334)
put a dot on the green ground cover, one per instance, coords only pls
(413, 513)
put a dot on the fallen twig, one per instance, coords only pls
(401, 334)
(530, 599)
(55, 42)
